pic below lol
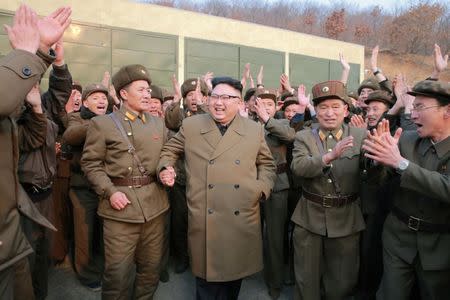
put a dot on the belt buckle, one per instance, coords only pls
(325, 203)
(136, 182)
(414, 223)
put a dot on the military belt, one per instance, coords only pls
(330, 201)
(418, 224)
(282, 168)
(135, 181)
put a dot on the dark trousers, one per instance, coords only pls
(228, 290)
(39, 238)
(179, 223)
(88, 234)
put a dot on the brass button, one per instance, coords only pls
(330, 181)
(330, 136)
(329, 150)
(129, 133)
(130, 168)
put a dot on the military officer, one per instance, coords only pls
(229, 168)
(119, 159)
(416, 235)
(88, 233)
(278, 135)
(155, 107)
(328, 218)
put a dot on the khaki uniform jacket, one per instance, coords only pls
(106, 156)
(174, 115)
(75, 135)
(279, 134)
(423, 192)
(307, 164)
(225, 178)
(19, 71)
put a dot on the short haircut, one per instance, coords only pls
(442, 101)
(236, 84)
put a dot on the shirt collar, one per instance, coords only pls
(132, 116)
(336, 133)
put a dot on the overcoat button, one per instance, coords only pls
(211, 162)
(26, 71)
(236, 213)
(210, 186)
(210, 210)
(237, 161)
(236, 186)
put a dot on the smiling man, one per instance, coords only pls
(416, 236)
(328, 218)
(119, 159)
(87, 226)
(229, 168)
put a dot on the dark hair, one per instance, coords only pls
(227, 80)
(250, 92)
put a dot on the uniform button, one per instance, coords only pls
(364, 171)
(236, 212)
(26, 71)
(330, 136)
(210, 210)
(211, 162)
(236, 186)
(125, 119)
(210, 186)
(130, 168)
(129, 133)
(330, 181)
(237, 161)
(329, 150)
(130, 187)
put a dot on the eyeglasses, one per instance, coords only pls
(420, 108)
(224, 97)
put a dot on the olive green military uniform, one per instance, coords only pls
(88, 233)
(278, 134)
(416, 235)
(19, 72)
(135, 234)
(328, 216)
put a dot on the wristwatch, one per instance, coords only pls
(402, 165)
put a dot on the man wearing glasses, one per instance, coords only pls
(416, 236)
(229, 169)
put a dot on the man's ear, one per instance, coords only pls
(447, 112)
(123, 94)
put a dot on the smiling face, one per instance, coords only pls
(76, 100)
(137, 96)
(431, 118)
(291, 110)
(155, 107)
(224, 111)
(331, 113)
(269, 106)
(97, 103)
(365, 92)
(374, 110)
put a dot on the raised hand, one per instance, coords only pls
(24, 33)
(338, 150)
(440, 62)
(358, 121)
(384, 149)
(285, 84)
(208, 79)
(303, 100)
(345, 65)
(59, 51)
(52, 27)
(105, 79)
(34, 99)
(260, 110)
(176, 88)
(260, 77)
(374, 58)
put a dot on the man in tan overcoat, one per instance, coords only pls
(229, 168)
